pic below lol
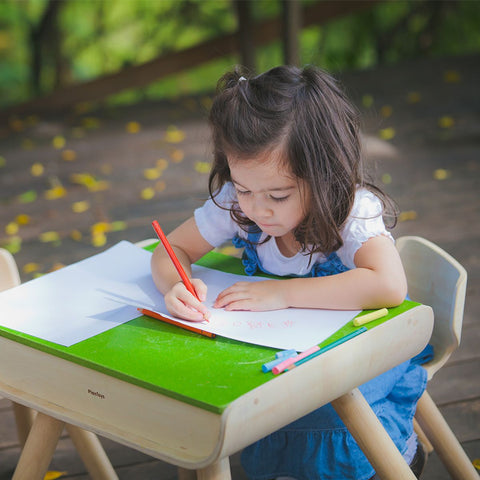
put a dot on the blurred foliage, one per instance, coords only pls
(46, 44)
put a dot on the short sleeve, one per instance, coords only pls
(214, 223)
(364, 222)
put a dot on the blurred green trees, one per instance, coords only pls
(47, 44)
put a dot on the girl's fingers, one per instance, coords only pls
(230, 295)
(200, 288)
(181, 303)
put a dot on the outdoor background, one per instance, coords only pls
(79, 176)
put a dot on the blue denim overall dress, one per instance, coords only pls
(319, 446)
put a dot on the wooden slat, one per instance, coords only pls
(174, 62)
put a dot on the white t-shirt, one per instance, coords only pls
(365, 221)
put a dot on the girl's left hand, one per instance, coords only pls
(254, 296)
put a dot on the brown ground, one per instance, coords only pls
(72, 186)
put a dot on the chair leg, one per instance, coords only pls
(24, 417)
(92, 453)
(184, 474)
(444, 440)
(422, 437)
(218, 471)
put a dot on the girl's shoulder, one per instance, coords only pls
(365, 205)
(213, 218)
(364, 222)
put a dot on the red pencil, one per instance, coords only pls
(191, 328)
(174, 258)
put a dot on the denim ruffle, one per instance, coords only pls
(252, 264)
(319, 446)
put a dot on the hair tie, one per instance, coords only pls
(242, 79)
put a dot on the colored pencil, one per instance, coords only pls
(174, 258)
(334, 344)
(190, 328)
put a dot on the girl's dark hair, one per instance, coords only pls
(306, 112)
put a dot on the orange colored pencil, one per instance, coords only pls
(191, 328)
(173, 257)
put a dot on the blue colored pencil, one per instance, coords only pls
(334, 344)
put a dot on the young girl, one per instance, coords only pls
(287, 186)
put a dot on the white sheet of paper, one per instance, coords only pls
(75, 303)
(103, 291)
(298, 328)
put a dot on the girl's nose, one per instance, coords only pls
(260, 207)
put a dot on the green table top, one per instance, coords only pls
(208, 373)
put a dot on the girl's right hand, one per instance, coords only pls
(181, 303)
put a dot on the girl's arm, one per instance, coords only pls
(378, 281)
(189, 246)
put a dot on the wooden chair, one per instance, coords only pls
(87, 444)
(437, 279)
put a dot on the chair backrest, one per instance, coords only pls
(9, 276)
(436, 279)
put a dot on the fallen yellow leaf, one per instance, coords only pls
(202, 167)
(162, 164)
(76, 235)
(451, 76)
(11, 228)
(69, 155)
(446, 122)
(47, 237)
(152, 173)
(441, 174)
(367, 100)
(133, 127)
(386, 179)
(386, 111)
(177, 155)
(174, 135)
(53, 475)
(37, 169)
(147, 193)
(31, 267)
(81, 206)
(99, 239)
(407, 215)
(387, 133)
(55, 192)
(413, 97)
(23, 219)
(58, 142)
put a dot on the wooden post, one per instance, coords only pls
(39, 448)
(292, 27)
(246, 34)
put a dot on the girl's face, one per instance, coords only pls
(268, 193)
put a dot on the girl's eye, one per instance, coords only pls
(279, 199)
(242, 192)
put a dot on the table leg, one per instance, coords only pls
(372, 438)
(217, 471)
(24, 417)
(184, 474)
(444, 441)
(92, 453)
(39, 448)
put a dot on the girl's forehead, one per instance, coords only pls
(270, 172)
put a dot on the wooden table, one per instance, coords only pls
(192, 401)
